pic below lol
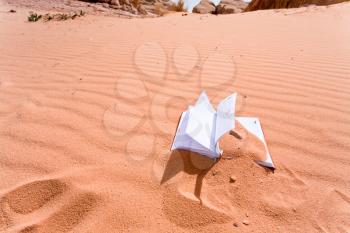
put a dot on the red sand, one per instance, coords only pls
(88, 109)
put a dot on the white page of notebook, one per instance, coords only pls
(253, 126)
(201, 125)
(225, 116)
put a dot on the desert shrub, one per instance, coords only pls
(81, 13)
(58, 17)
(159, 10)
(179, 6)
(135, 3)
(33, 17)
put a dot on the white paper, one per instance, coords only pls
(225, 116)
(253, 126)
(197, 130)
(203, 99)
(201, 127)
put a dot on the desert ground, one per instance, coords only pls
(89, 108)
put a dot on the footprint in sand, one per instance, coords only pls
(188, 213)
(181, 175)
(28, 198)
(25, 201)
(32, 196)
(5, 220)
(69, 216)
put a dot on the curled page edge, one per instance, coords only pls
(225, 116)
(177, 130)
(201, 127)
(253, 126)
(204, 99)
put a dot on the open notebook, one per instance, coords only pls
(201, 127)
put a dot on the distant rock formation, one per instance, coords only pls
(135, 7)
(224, 7)
(230, 6)
(204, 7)
(277, 4)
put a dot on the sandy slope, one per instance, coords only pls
(88, 109)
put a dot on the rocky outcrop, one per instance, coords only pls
(111, 2)
(230, 7)
(204, 7)
(277, 4)
(135, 7)
(224, 7)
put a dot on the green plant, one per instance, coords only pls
(33, 17)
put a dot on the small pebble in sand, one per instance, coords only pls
(12, 11)
(246, 214)
(246, 222)
(235, 224)
(214, 173)
(233, 179)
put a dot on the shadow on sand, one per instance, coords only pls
(193, 164)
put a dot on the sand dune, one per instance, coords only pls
(88, 110)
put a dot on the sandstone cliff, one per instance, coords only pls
(276, 4)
